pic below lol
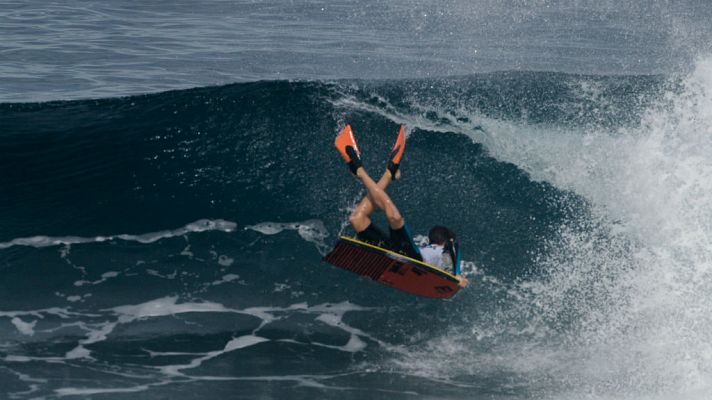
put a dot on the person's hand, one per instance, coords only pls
(462, 281)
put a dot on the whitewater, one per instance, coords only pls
(635, 274)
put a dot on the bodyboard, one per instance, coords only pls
(392, 269)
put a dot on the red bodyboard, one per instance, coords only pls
(392, 269)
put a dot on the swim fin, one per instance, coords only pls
(346, 145)
(397, 152)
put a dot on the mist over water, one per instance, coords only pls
(170, 244)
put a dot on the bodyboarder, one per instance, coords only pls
(442, 250)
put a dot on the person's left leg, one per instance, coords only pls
(400, 238)
(380, 199)
(360, 217)
(377, 197)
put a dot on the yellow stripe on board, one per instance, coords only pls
(398, 255)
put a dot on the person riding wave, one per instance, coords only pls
(442, 250)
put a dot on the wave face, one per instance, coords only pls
(171, 243)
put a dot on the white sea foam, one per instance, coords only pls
(234, 344)
(40, 313)
(104, 277)
(99, 326)
(153, 354)
(162, 307)
(301, 380)
(623, 309)
(641, 296)
(153, 272)
(26, 328)
(312, 231)
(225, 261)
(202, 225)
(77, 352)
(62, 392)
(225, 279)
(33, 383)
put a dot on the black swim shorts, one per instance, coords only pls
(399, 240)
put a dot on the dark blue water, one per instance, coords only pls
(168, 244)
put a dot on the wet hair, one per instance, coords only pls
(440, 235)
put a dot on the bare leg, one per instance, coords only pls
(376, 197)
(360, 216)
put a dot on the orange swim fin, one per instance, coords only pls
(346, 145)
(397, 152)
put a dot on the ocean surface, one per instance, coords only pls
(168, 187)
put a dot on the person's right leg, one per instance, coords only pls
(360, 217)
(346, 145)
(400, 238)
(380, 199)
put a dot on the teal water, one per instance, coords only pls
(169, 244)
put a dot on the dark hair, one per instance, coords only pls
(440, 235)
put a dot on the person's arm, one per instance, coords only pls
(462, 281)
(454, 250)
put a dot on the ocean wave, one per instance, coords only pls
(580, 203)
